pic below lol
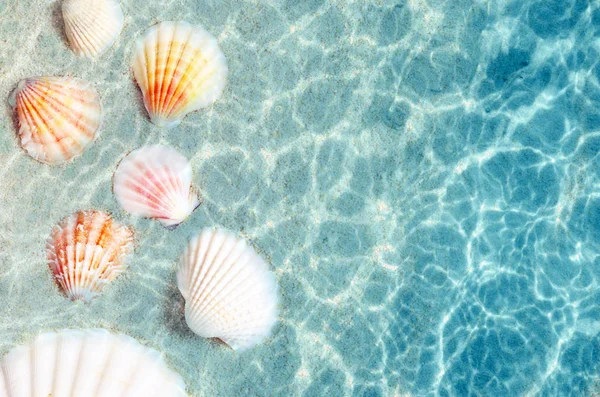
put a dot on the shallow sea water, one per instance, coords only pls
(423, 176)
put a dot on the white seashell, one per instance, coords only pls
(229, 291)
(58, 117)
(180, 69)
(92, 26)
(86, 251)
(90, 363)
(155, 182)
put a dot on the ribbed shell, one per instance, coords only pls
(86, 251)
(179, 68)
(155, 182)
(229, 291)
(90, 363)
(92, 26)
(58, 117)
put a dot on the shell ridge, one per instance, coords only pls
(210, 287)
(181, 93)
(202, 245)
(150, 63)
(135, 371)
(215, 65)
(79, 364)
(192, 69)
(155, 89)
(81, 43)
(34, 116)
(143, 190)
(199, 102)
(201, 286)
(102, 377)
(26, 120)
(8, 372)
(177, 182)
(55, 109)
(168, 94)
(90, 37)
(231, 292)
(199, 247)
(241, 287)
(148, 365)
(166, 52)
(165, 174)
(156, 69)
(234, 252)
(60, 92)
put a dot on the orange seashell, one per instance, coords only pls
(86, 251)
(58, 117)
(180, 69)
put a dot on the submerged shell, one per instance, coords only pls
(229, 291)
(92, 26)
(179, 68)
(90, 363)
(58, 117)
(87, 250)
(155, 182)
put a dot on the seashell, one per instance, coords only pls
(58, 117)
(155, 182)
(92, 26)
(180, 69)
(89, 363)
(229, 291)
(86, 251)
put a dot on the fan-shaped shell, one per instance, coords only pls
(229, 291)
(92, 26)
(86, 251)
(155, 182)
(90, 363)
(179, 68)
(58, 117)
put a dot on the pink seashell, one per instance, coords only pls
(155, 182)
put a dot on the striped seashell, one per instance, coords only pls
(92, 26)
(229, 292)
(180, 69)
(86, 251)
(155, 182)
(88, 363)
(58, 117)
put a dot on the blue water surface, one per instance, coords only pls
(423, 176)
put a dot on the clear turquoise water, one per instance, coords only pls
(423, 176)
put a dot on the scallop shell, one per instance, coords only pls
(86, 251)
(229, 291)
(58, 117)
(155, 182)
(180, 69)
(90, 363)
(92, 26)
